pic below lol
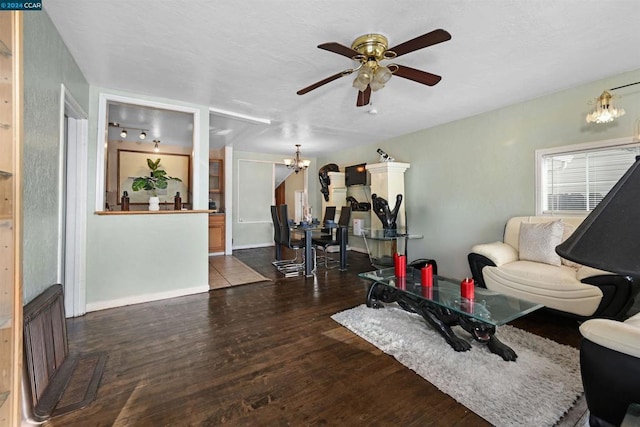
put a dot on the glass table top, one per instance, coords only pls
(487, 306)
(382, 234)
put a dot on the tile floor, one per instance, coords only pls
(226, 271)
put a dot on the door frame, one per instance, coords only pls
(72, 205)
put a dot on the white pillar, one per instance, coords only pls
(387, 181)
(337, 194)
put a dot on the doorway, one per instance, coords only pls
(72, 204)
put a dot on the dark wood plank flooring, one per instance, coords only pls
(264, 354)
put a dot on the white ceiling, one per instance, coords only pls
(250, 58)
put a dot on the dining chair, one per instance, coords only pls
(276, 236)
(291, 267)
(324, 242)
(329, 215)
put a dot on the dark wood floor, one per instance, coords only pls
(261, 354)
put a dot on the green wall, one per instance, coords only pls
(135, 258)
(469, 176)
(47, 65)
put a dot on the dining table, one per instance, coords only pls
(308, 230)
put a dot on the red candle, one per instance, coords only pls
(401, 266)
(467, 288)
(427, 275)
(402, 283)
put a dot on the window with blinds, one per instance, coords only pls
(576, 181)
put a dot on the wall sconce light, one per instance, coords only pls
(156, 149)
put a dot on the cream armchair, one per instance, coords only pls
(610, 367)
(525, 265)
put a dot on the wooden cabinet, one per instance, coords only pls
(10, 214)
(216, 233)
(216, 177)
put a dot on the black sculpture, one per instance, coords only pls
(325, 181)
(357, 206)
(381, 208)
(441, 319)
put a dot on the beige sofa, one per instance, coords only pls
(525, 265)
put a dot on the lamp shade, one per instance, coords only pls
(609, 237)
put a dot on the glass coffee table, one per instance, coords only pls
(442, 307)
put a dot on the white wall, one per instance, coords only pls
(468, 177)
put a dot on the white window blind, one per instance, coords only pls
(576, 182)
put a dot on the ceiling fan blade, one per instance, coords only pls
(324, 81)
(417, 75)
(364, 97)
(425, 40)
(339, 49)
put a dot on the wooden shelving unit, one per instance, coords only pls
(216, 195)
(216, 178)
(10, 214)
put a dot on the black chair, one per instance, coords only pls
(291, 267)
(329, 215)
(276, 231)
(325, 242)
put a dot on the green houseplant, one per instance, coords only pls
(157, 180)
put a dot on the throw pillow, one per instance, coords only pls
(568, 231)
(538, 242)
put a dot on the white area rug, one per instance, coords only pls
(536, 390)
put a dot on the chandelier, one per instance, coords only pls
(297, 164)
(605, 111)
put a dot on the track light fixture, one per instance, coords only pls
(124, 130)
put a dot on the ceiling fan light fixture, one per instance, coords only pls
(376, 85)
(359, 85)
(365, 75)
(382, 75)
(605, 111)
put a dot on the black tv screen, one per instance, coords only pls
(355, 175)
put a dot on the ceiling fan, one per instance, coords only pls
(369, 50)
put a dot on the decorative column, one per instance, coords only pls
(387, 181)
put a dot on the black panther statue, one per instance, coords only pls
(325, 181)
(381, 208)
(357, 206)
(441, 319)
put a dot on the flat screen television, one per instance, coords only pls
(355, 175)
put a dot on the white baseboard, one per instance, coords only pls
(138, 299)
(251, 246)
(361, 250)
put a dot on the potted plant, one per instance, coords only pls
(157, 180)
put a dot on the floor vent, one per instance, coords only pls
(49, 367)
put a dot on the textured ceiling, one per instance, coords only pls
(250, 57)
